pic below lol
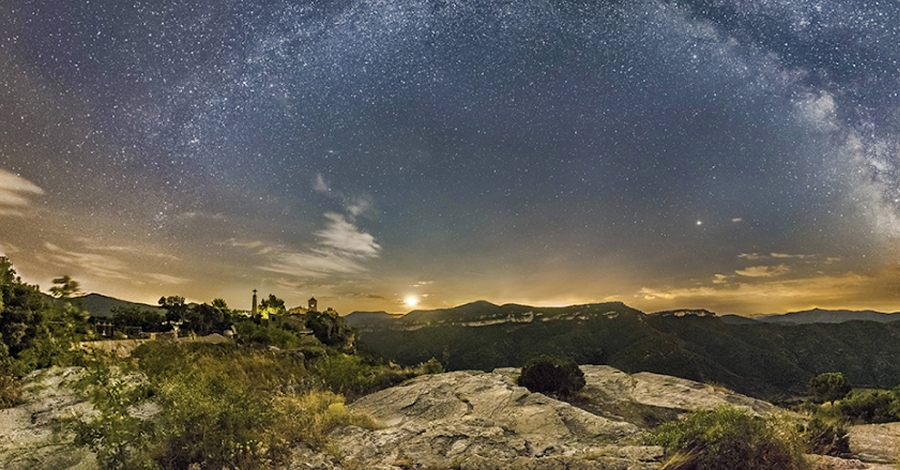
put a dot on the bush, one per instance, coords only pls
(310, 417)
(10, 392)
(353, 376)
(870, 406)
(826, 437)
(724, 439)
(552, 376)
(829, 386)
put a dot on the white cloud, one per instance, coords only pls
(360, 206)
(758, 256)
(103, 266)
(97, 245)
(341, 249)
(344, 236)
(167, 279)
(315, 263)
(790, 256)
(320, 185)
(14, 192)
(764, 271)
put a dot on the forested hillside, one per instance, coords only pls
(764, 359)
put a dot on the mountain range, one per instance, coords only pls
(758, 356)
(771, 356)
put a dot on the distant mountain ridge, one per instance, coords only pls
(818, 315)
(101, 306)
(763, 358)
(482, 313)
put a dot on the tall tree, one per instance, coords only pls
(65, 287)
(175, 308)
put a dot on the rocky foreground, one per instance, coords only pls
(465, 420)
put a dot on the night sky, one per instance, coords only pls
(736, 155)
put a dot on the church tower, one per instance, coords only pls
(313, 304)
(254, 310)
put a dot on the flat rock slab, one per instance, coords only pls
(876, 443)
(27, 440)
(480, 420)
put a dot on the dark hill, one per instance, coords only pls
(818, 315)
(764, 359)
(101, 306)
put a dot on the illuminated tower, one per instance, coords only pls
(254, 309)
(313, 304)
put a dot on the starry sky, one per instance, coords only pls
(736, 155)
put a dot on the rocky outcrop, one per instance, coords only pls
(877, 443)
(27, 437)
(461, 420)
(476, 420)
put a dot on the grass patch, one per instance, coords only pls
(727, 438)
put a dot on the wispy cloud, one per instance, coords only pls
(15, 192)
(320, 185)
(167, 279)
(769, 295)
(764, 271)
(341, 249)
(97, 245)
(6, 250)
(315, 263)
(758, 256)
(789, 256)
(102, 266)
(346, 237)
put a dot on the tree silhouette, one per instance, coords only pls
(65, 287)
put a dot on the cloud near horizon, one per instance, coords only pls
(769, 295)
(764, 271)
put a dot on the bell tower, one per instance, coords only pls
(313, 304)
(254, 310)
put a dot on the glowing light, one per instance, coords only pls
(411, 301)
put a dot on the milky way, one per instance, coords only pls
(734, 155)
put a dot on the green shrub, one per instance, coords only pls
(10, 391)
(829, 386)
(115, 434)
(826, 437)
(552, 376)
(353, 376)
(431, 366)
(221, 406)
(308, 418)
(725, 439)
(870, 406)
